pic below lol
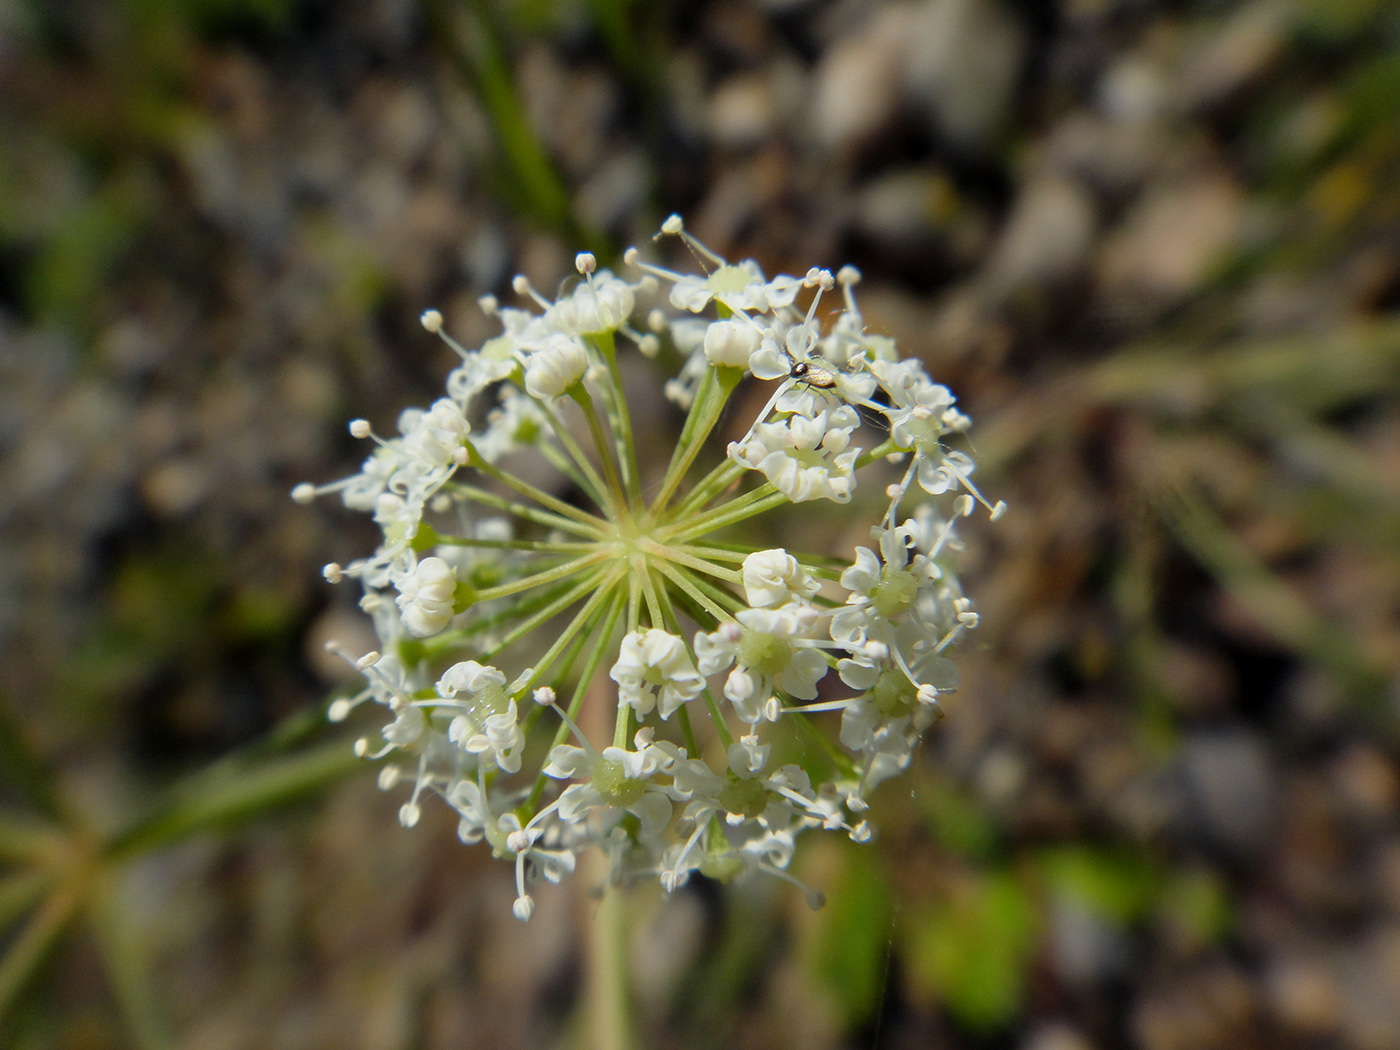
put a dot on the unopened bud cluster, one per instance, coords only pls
(505, 605)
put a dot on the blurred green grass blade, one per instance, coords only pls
(1313, 373)
(851, 949)
(128, 969)
(19, 892)
(1276, 606)
(25, 839)
(469, 33)
(28, 952)
(21, 768)
(971, 950)
(1112, 883)
(237, 791)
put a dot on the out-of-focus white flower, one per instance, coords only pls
(730, 343)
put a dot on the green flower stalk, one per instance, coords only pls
(502, 607)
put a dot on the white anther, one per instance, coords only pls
(431, 320)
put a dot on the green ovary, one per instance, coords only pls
(894, 694)
(895, 594)
(764, 654)
(615, 786)
(744, 796)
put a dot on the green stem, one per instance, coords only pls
(596, 485)
(590, 668)
(606, 342)
(581, 396)
(691, 587)
(583, 616)
(524, 511)
(558, 572)
(609, 1015)
(27, 952)
(542, 546)
(732, 513)
(725, 473)
(541, 497)
(699, 564)
(569, 469)
(699, 422)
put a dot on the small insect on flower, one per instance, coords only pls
(812, 375)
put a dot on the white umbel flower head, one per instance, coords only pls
(532, 560)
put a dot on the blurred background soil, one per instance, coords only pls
(1153, 247)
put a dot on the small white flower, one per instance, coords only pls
(654, 672)
(556, 366)
(731, 343)
(426, 596)
(603, 303)
(804, 458)
(774, 577)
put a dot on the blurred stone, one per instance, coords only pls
(349, 629)
(1367, 782)
(1056, 1036)
(1370, 984)
(1302, 994)
(1232, 789)
(904, 206)
(176, 487)
(1113, 156)
(961, 65)
(1198, 682)
(742, 111)
(1227, 57)
(1046, 240)
(1133, 90)
(1172, 239)
(855, 89)
(614, 191)
(1212, 1009)
(1085, 947)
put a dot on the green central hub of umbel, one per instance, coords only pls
(764, 654)
(615, 786)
